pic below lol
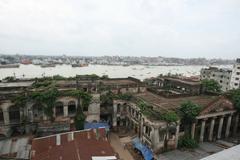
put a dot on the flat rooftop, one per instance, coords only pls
(118, 82)
(184, 81)
(16, 84)
(167, 104)
(78, 145)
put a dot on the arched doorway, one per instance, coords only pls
(14, 114)
(59, 109)
(37, 111)
(71, 108)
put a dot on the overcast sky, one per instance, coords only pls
(171, 28)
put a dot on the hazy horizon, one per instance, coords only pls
(167, 28)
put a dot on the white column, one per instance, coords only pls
(114, 115)
(177, 135)
(65, 110)
(54, 111)
(210, 136)
(193, 130)
(202, 130)
(220, 127)
(228, 126)
(6, 116)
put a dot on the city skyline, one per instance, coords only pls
(184, 29)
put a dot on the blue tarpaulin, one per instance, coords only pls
(146, 152)
(88, 125)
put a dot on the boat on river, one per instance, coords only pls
(9, 66)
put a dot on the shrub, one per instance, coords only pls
(187, 142)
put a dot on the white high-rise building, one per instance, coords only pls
(235, 78)
(227, 78)
(221, 75)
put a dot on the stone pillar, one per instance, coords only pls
(210, 136)
(6, 116)
(177, 135)
(114, 115)
(154, 136)
(65, 110)
(54, 111)
(202, 130)
(236, 124)
(228, 126)
(141, 128)
(220, 127)
(193, 130)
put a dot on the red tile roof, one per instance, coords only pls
(85, 144)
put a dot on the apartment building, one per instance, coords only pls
(235, 78)
(227, 78)
(221, 75)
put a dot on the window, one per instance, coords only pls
(71, 107)
(238, 73)
(59, 109)
(14, 114)
(237, 79)
(238, 67)
(213, 75)
(220, 81)
(236, 84)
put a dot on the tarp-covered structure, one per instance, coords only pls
(146, 152)
(96, 125)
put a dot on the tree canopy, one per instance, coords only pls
(211, 86)
(234, 96)
(189, 111)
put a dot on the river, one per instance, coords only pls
(138, 71)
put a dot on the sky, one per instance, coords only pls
(168, 28)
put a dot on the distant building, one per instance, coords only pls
(227, 78)
(235, 78)
(221, 75)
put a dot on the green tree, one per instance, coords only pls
(211, 86)
(234, 96)
(188, 113)
(170, 118)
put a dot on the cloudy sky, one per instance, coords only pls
(172, 28)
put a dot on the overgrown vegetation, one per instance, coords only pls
(108, 97)
(211, 86)
(147, 110)
(188, 113)
(187, 142)
(170, 117)
(9, 79)
(48, 98)
(234, 96)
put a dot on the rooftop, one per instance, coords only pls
(185, 81)
(78, 145)
(167, 104)
(16, 84)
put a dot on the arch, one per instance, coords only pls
(118, 108)
(14, 114)
(1, 116)
(59, 109)
(37, 110)
(72, 108)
